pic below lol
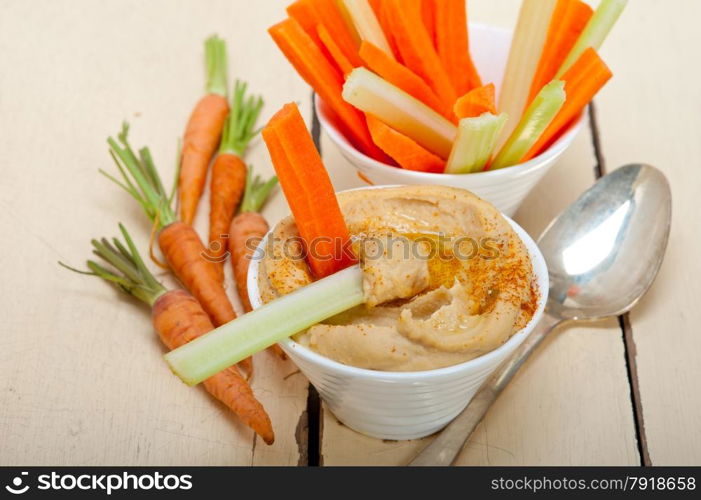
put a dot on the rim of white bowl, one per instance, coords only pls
(539, 269)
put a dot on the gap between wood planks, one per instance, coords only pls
(624, 320)
(313, 416)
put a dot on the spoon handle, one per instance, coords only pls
(445, 448)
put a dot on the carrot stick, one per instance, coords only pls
(182, 247)
(330, 16)
(309, 192)
(382, 12)
(405, 151)
(304, 13)
(566, 24)
(229, 170)
(452, 44)
(178, 318)
(337, 55)
(402, 77)
(582, 81)
(428, 16)
(203, 131)
(477, 101)
(326, 80)
(417, 49)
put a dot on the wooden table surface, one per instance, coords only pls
(81, 376)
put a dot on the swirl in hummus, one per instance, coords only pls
(445, 277)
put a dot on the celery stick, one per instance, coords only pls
(270, 323)
(372, 94)
(526, 48)
(367, 25)
(595, 32)
(475, 143)
(534, 122)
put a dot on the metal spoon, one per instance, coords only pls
(603, 253)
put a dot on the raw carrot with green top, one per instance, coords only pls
(402, 77)
(566, 25)
(405, 151)
(416, 47)
(178, 318)
(229, 170)
(309, 192)
(203, 130)
(452, 44)
(180, 244)
(476, 102)
(247, 230)
(582, 81)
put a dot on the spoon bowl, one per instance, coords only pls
(603, 253)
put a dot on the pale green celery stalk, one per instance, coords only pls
(367, 25)
(534, 122)
(477, 138)
(595, 32)
(526, 47)
(290, 314)
(372, 94)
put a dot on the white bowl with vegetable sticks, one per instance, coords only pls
(506, 188)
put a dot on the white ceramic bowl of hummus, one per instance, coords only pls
(505, 188)
(404, 404)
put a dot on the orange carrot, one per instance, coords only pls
(326, 80)
(247, 229)
(182, 247)
(337, 55)
(330, 16)
(399, 75)
(303, 12)
(245, 233)
(405, 151)
(452, 44)
(428, 16)
(566, 24)
(178, 318)
(477, 101)
(203, 131)
(309, 192)
(416, 47)
(229, 170)
(582, 81)
(382, 12)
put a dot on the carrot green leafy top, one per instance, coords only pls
(129, 272)
(239, 128)
(141, 179)
(215, 63)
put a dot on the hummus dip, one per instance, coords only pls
(445, 277)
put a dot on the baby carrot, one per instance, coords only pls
(203, 131)
(180, 244)
(229, 170)
(178, 318)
